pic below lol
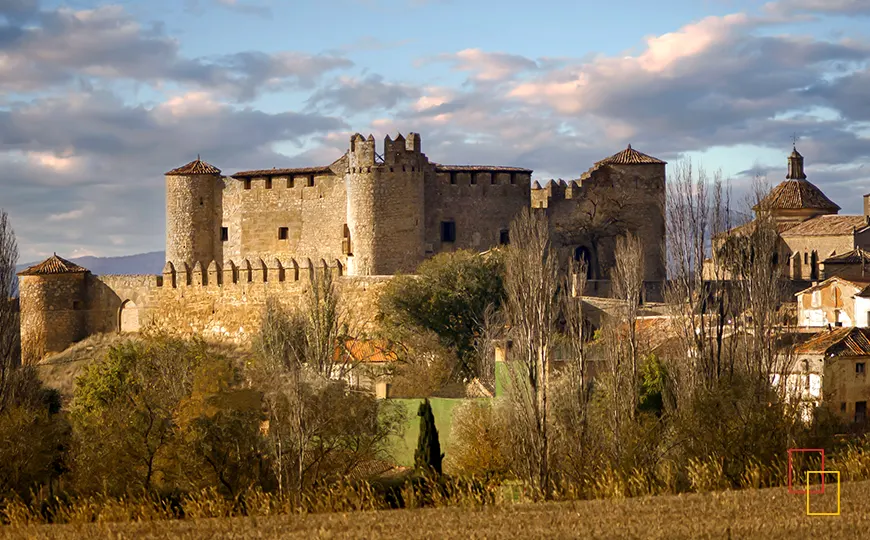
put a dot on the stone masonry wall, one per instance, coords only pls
(480, 208)
(313, 215)
(632, 195)
(800, 253)
(190, 226)
(52, 313)
(219, 311)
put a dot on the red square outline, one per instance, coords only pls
(791, 489)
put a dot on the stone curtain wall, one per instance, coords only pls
(480, 210)
(313, 215)
(221, 309)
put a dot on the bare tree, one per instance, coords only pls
(317, 425)
(532, 308)
(698, 210)
(9, 331)
(628, 287)
(572, 389)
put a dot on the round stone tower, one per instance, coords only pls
(385, 205)
(52, 296)
(192, 221)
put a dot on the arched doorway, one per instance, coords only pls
(582, 253)
(129, 317)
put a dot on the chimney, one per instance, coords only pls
(867, 208)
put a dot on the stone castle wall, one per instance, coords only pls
(480, 202)
(586, 215)
(214, 307)
(312, 208)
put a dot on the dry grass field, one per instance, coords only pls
(764, 514)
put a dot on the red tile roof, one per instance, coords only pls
(846, 341)
(466, 168)
(856, 256)
(196, 166)
(796, 195)
(53, 265)
(629, 156)
(367, 351)
(830, 225)
(283, 172)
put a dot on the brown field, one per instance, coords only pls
(765, 514)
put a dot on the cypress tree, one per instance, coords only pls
(428, 455)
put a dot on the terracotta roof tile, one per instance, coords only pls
(196, 166)
(831, 225)
(494, 168)
(629, 156)
(856, 256)
(283, 172)
(53, 265)
(847, 341)
(796, 195)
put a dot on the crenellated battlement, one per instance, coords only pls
(558, 190)
(246, 271)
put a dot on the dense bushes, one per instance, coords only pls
(449, 295)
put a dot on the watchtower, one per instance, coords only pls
(52, 297)
(192, 233)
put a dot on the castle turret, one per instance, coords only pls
(192, 224)
(385, 205)
(52, 297)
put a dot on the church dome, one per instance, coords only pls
(796, 194)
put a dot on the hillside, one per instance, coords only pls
(765, 514)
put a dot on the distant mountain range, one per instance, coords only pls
(143, 263)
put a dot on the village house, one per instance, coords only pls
(831, 369)
(833, 302)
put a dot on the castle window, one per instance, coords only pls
(269, 183)
(77, 305)
(473, 178)
(859, 368)
(452, 177)
(346, 247)
(200, 201)
(504, 237)
(225, 234)
(448, 231)
(283, 233)
(247, 183)
(806, 258)
(513, 178)
(289, 182)
(311, 180)
(493, 178)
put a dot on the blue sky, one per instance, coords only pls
(97, 100)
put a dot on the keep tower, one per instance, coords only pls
(192, 233)
(385, 205)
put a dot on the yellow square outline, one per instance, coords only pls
(808, 493)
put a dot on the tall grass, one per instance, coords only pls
(700, 475)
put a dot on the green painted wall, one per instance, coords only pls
(402, 448)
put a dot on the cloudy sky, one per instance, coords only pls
(98, 100)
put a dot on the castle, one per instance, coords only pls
(233, 241)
